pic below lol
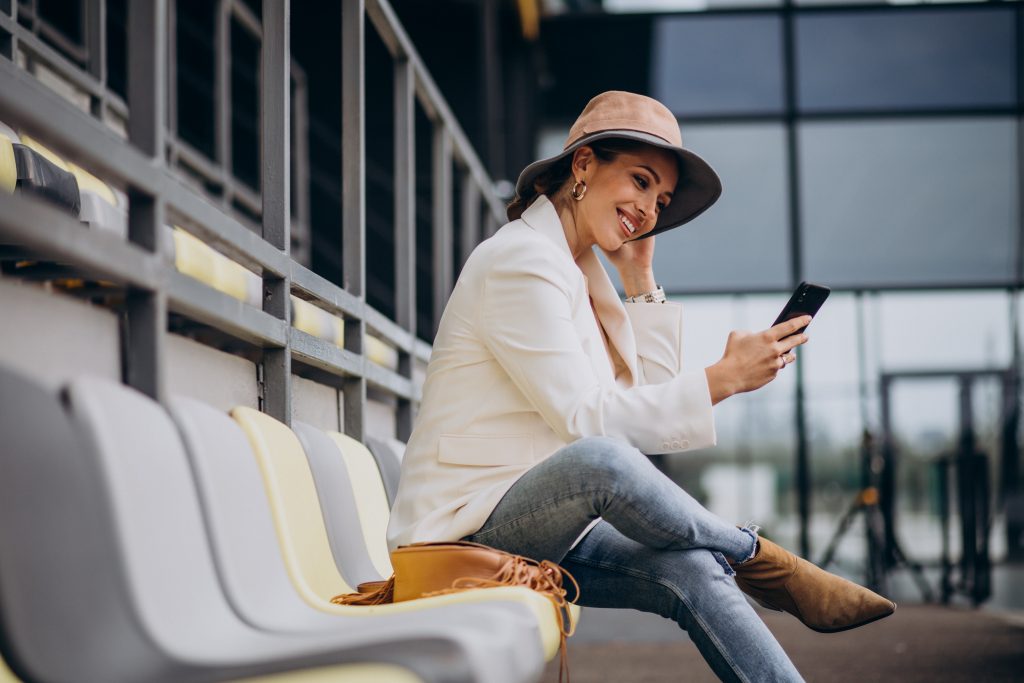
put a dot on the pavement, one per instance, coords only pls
(918, 643)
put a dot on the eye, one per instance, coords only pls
(661, 206)
(641, 181)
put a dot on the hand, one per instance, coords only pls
(751, 360)
(633, 261)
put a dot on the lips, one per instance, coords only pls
(629, 226)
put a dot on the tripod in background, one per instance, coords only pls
(883, 548)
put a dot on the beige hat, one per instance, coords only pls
(617, 114)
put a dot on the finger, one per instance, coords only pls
(792, 341)
(788, 327)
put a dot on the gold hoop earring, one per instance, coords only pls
(576, 193)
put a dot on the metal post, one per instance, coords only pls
(405, 229)
(803, 466)
(300, 166)
(353, 196)
(172, 75)
(222, 90)
(145, 318)
(96, 47)
(469, 223)
(275, 188)
(887, 480)
(8, 41)
(442, 153)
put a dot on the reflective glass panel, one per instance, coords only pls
(906, 59)
(741, 242)
(718, 64)
(748, 475)
(909, 202)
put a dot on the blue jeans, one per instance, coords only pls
(656, 550)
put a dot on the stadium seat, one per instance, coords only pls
(38, 175)
(6, 676)
(334, 490)
(389, 463)
(198, 260)
(106, 574)
(380, 353)
(8, 164)
(248, 556)
(303, 537)
(371, 499)
(317, 322)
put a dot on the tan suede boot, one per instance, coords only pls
(824, 602)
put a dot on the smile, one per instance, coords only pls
(626, 223)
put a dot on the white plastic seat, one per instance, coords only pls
(105, 566)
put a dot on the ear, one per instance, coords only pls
(582, 159)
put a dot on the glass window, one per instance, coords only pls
(708, 65)
(629, 6)
(748, 475)
(909, 202)
(906, 59)
(742, 242)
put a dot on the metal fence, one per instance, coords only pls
(147, 159)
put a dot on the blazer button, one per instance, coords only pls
(665, 445)
(677, 445)
(684, 444)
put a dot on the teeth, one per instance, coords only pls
(625, 221)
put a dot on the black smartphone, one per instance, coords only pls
(806, 300)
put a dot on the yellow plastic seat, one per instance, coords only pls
(353, 673)
(8, 166)
(305, 546)
(6, 675)
(317, 322)
(198, 260)
(380, 353)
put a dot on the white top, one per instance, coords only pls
(519, 369)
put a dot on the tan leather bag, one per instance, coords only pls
(426, 569)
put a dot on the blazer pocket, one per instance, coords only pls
(485, 451)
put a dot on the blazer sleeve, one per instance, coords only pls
(658, 330)
(526, 321)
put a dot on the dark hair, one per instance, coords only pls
(555, 176)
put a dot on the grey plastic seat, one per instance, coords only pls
(334, 489)
(255, 578)
(389, 464)
(105, 566)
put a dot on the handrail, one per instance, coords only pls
(27, 103)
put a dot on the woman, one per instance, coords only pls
(544, 392)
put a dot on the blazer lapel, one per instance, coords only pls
(611, 313)
(542, 217)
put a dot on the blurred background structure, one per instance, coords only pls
(326, 183)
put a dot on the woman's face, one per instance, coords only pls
(625, 195)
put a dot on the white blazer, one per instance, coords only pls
(520, 368)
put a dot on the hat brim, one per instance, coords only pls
(697, 189)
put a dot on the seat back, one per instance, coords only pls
(8, 165)
(389, 463)
(371, 499)
(238, 518)
(298, 518)
(337, 501)
(65, 600)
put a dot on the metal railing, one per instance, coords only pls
(158, 195)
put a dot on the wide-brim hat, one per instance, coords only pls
(626, 115)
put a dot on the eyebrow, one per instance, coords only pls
(657, 178)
